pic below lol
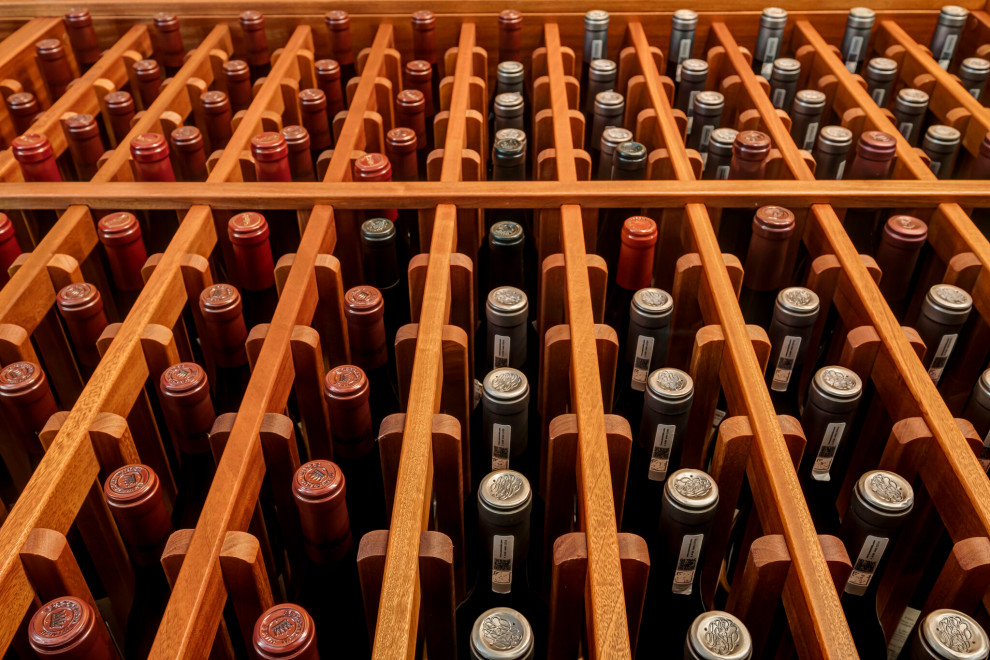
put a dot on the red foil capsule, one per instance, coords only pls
(364, 309)
(300, 155)
(285, 632)
(9, 248)
(346, 391)
(897, 255)
(150, 154)
(410, 112)
(54, 66)
(255, 40)
(424, 25)
(85, 144)
(223, 313)
(749, 151)
(26, 395)
(120, 107)
(134, 495)
(237, 75)
(418, 75)
(510, 36)
(400, 147)
(82, 310)
(328, 79)
(773, 227)
(375, 167)
(316, 120)
(271, 157)
(639, 240)
(67, 628)
(319, 489)
(120, 234)
(874, 158)
(218, 115)
(82, 36)
(248, 233)
(172, 51)
(339, 24)
(187, 405)
(37, 159)
(190, 153)
(23, 109)
(149, 80)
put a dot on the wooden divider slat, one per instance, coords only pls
(818, 624)
(17, 61)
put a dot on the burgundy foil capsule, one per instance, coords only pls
(23, 108)
(54, 65)
(271, 157)
(120, 107)
(26, 395)
(150, 154)
(410, 112)
(375, 167)
(424, 25)
(874, 158)
(134, 495)
(285, 632)
(82, 310)
(400, 147)
(37, 159)
(85, 144)
(346, 391)
(248, 233)
(120, 234)
(639, 241)
(320, 491)
(255, 39)
(218, 115)
(773, 227)
(82, 36)
(339, 24)
(9, 247)
(749, 151)
(172, 51)
(223, 313)
(67, 628)
(237, 75)
(897, 255)
(364, 309)
(187, 405)
(149, 81)
(190, 154)
(510, 36)
(418, 75)
(300, 155)
(316, 120)
(328, 79)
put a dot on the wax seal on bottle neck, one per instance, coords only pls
(345, 382)
(692, 491)
(63, 626)
(131, 486)
(21, 380)
(285, 631)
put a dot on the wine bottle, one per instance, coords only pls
(149, 81)
(941, 145)
(85, 144)
(880, 505)
(217, 115)
(375, 167)
(54, 66)
(67, 628)
(833, 399)
(897, 255)
(190, 153)
(706, 115)
(806, 116)
(749, 151)
(34, 153)
(506, 311)
(694, 77)
(874, 159)
(859, 23)
(763, 268)
(769, 40)
(502, 633)
(338, 23)
(718, 157)
(831, 150)
(285, 631)
(505, 502)
(120, 110)
(424, 32)
(81, 308)
(601, 78)
(120, 234)
(254, 265)
(255, 43)
(794, 316)
(659, 433)
(973, 74)
(943, 315)
(28, 402)
(948, 30)
(316, 120)
(505, 419)
(300, 156)
(650, 313)
(612, 138)
(82, 37)
(23, 109)
(365, 315)
(271, 157)
(151, 158)
(506, 247)
(10, 249)
(946, 634)
(910, 107)
(510, 77)
(595, 42)
(687, 510)
(977, 412)
(418, 75)
(510, 36)
(880, 74)
(609, 110)
(380, 264)
(223, 341)
(410, 113)
(172, 52)
(509, 111)
(717, 635)
(634, 271)
(682, 27)
(328, 79)
(784, 74)
(402, 152)
(237, 76)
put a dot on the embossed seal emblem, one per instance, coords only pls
(839, 380)
(130, 480)
(799, 296)
(653, 298)
(670, 380)
(282, 627)
(506, 229)
(316, 475)
(17, 372)
(505, 381)
(721, 635)
(362, 297)
(886, 488)
(504, 486)
(955, 633)
(951, 294)
(507, 296)
(501, 633)
(76, 291)
(60, 618)
(219, 293)
(377, 226)
(693, 485)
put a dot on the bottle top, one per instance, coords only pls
(949, 302)
(905, 231)
(215, 101)
(345, 382)
(6, 228)
(613, 136)
(363, 299)
(717, 635)
(509, 104)
(131, 486)
(709, 102)
(419, 70)
(118, 228)
(954, 635)
(974, 66)
(147, 70)
(639, 232)
(653, 302)
(401, 140)
(882, 69)
(220, 301)
(252, 20)
(187, 139)
(510, 72)
(31, 148)
(510, 18)
(507, 301)
(630, 156)
(313, 99)
(149, 148)
(723, 138)
(18, 379)
(910, 99)
(684, 19)
(166, 21)
(861, 18)
(953, 16)
(694, 70)
(885, 492)
(284, 631)
(50, 49)
(185, 381)
(505, 385)
(786, 68)
(602, 70)
(501, 633)
(337, 19)
(691, 491)
(247, 228)
(75, 300)
(269, 147)
(809, 101)
(834, 139)
(671, 385)
(838, 383)
(505, 491)
(22, 103)
(798, 301)
(876, 145)
(373, 167)
(60, 625)
(751, 145)
(411, 100)
(596, 20)
(319, 480)
(940, 137)
(424, 19)
(78, 17)
(82, 126)
(377, 229)
(773, 222)
(609, 103)
(236, 70)
(508, 150)
(327, 69)
(505, 233)
(119, 103)
(773, 17)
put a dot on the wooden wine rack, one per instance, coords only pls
(84, 443)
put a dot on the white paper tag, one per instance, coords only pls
(879, 94)
(687, 563)
(935, 166)
(866, 565)
(641, 364)
(769, 55)
(948, 49)
(596, 49)
(785, 364)
(838, 172)
(855, 46)
(779, 95)
(903, 632)
(827, 450)
(905, 128)
(502, 563)
(684, 50)
(660, 459)
(501, 353)
(690, 125)
(677, 73)
(706, 133)
(941, 357)
(722, 173)
(810, 134)
(501, 442)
